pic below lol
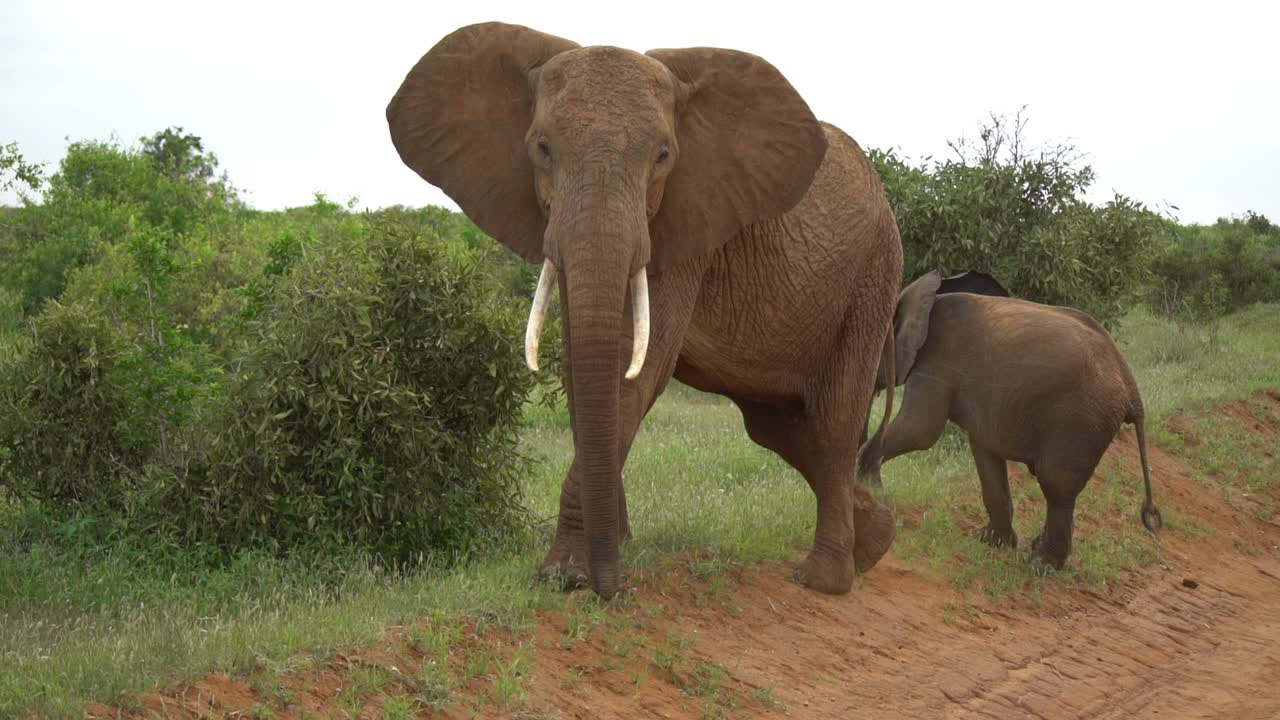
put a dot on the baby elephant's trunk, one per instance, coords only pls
(1150, 513)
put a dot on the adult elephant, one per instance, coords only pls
(761, 256)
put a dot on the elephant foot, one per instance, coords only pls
(1047, 556)
(566, 564)
(1000, 538)
(874, 531)
(826, 572)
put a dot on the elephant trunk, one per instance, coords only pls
(594, 324)
(600, 253)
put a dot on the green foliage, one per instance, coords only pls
(146, 381)
(1204, 272)
(60, 413)
(1019, 214)
(376, 355)
(100, 191)
(169, 373)
(15, 169)
(376, 403)
(1260, 225)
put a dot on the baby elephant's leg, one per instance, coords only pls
(917, 426)
(993, 471)
(1061, 487)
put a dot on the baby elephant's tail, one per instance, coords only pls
(1150, 513)
(887, 367)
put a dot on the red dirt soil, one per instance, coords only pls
(1197, 636)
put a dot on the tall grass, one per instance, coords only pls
(1181, 368)
(88, 617)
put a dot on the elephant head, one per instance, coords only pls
(605, 165)
(915, 303)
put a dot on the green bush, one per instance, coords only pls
(214, 373)
(98, 195)
(1019, 214)
(376, 403)
(1204, 272)
(60, 413)
(16, 171)
(10, 311)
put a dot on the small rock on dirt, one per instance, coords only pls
(1189, 583)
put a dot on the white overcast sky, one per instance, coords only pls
(1174, 103)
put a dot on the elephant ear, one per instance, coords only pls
(912, 321)
(749, 147)
(459, 120)
(972, 281)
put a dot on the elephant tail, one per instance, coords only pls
(890, 372)
(1150, 513)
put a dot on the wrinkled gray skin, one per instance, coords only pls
(771, 255)
(1029, 383)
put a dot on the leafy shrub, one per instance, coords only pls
(99, 192)
(1204, 272)
(16, 171)
(10, 311)
(60, 413)
(166, 368)
(376, 403)
(1018, 213)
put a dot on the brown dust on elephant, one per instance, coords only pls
(698, 222)
(1036, 384)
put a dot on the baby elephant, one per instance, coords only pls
(1029, 383)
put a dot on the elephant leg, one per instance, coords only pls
(993, 471)
(567, 556)
(854, 529)
(1064, 469)
(672, 298)
(1060, 486)
(917, 426)
(793, 435)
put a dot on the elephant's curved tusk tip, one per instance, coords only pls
(538, 314)
(640, 319)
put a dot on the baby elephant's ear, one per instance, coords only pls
(972, 281)
(912, 321)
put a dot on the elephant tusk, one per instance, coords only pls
(538, 314)
(640, 318)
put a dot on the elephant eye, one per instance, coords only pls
(545, 149)
(663, 154)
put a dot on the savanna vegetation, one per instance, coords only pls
(228, 435)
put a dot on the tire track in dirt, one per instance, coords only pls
(1165, 651)
(1142, 659)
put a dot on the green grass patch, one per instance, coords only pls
(1242, 466)
(1180, 370)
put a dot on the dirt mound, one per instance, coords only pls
(1196, 637)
